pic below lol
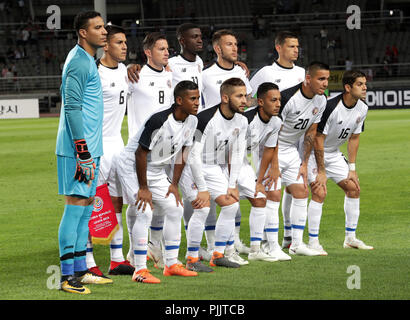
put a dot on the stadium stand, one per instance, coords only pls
(32, 67)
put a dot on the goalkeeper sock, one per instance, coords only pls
(82, 238)
(67, 237)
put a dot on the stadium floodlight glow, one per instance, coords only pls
(391, 12)
(137, 21)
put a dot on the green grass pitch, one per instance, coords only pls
(30, 213)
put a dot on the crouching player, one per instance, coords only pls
(141, 169)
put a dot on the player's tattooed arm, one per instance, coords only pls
(321, 178)
(308, 142)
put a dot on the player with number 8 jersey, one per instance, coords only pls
(153, 91)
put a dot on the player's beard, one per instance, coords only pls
(233, 108)
(228, 58)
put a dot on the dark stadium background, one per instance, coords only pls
(32, 55)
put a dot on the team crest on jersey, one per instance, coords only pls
(169, 83)
(277, 80)
(315, 110)
(112, 84)
(219, 82)
(183, 70)
(358, 120)
(151, 84)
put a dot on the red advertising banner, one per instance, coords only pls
(103, 223)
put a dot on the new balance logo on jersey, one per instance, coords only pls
(112, 84)
(277, 80)
(183, 70)
(151, 84)
(340, 122)
(297, 112)
(219, 82)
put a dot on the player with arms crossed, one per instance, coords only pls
(141, 168)
(285, 74)
(221, 142)
(342, 120)
(113, 75)
(78, 149)
(301, 111)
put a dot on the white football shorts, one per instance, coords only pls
(215, 179)
(336, 166)
(289, 165)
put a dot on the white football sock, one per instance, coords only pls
(272, 221)
(256, 225)
(140, 237)
(298, 215)
(156, 230)
(172, 234)
(130, 218)
(314, 217)
(225, 226)
(286, 203)
(195, 230)
(210, 224)
(352, 213)
(89, 256)
(116, 242)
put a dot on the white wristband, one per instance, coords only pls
(352, 167)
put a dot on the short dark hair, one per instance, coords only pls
(350, 76)
(315, 66)
(182, 86)
(227, 85)
(151, 38)
(283, 35)
(220, 33)
(185, 27)
(264, 88)
(113, 29)
(81, 19)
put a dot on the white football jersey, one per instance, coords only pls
(260, 134)
(152, 92)
(218, 134)
(283, 77)
(298, 113)
(164, 137)
(114, 82)
(339, 122)
(212, 78)
(183, 69)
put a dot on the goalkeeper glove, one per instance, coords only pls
(85, 164)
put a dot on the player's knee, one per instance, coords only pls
(353, 193)
(258, 202)
(319, 195)
(274, 196)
